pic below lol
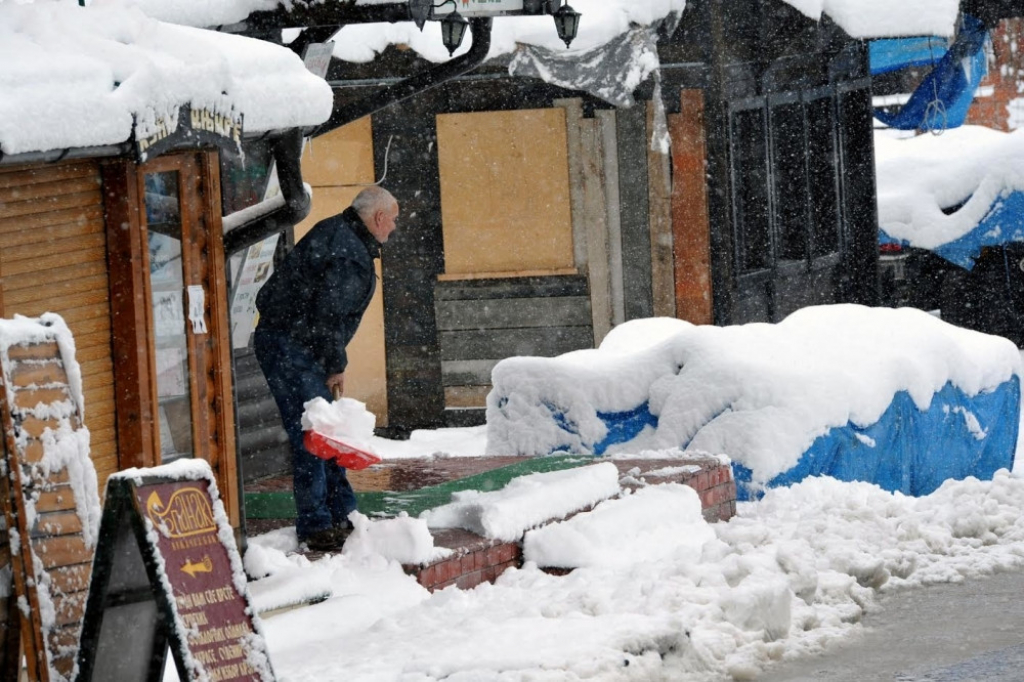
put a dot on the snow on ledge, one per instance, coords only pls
(526, 502)
(653, 524)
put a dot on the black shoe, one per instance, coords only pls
(325, 540)
(343, 530)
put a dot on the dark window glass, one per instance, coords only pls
(823, 167)
(859, 213)
(750, 183)
(789, 157)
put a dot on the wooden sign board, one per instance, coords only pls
(167, 573)
(50, 500)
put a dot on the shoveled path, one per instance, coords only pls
(941, 633)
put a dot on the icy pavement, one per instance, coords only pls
(973, 630)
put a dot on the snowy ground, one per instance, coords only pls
(791, 575)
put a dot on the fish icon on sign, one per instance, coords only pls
(204, 566)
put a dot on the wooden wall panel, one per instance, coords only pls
(690, 225)
(481, 322)
(53, 259)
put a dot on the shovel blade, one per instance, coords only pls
(345, 455)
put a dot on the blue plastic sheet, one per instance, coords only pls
(911, 450)
(892, 54)
(907, 449)
(943, 97)
(1002, 224)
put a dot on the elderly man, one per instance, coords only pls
(309, 311)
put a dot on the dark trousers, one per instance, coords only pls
(323, 495)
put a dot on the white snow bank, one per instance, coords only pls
(919, 176)
(760, 393)
(652, 524)
(76, 76)
(791, 575)
(346, 420)
(884, 18)
(402, 539)
(526, 502)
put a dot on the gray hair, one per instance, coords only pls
(373, 199)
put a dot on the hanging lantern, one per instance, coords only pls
(567, 22)
(453, 28)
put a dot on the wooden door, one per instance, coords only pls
(169, 301)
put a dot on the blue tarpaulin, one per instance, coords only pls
(907, 449)
(893, 54)
(910, 450)
(1002, 224)
(943, 97)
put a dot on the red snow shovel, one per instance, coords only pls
(326, 447)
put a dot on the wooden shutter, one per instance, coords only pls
(53, 258)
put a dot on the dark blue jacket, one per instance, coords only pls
(320, 291)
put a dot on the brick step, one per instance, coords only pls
(476, 559)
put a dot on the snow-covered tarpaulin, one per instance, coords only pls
(977, 171)
(76, 76)
(894, 397)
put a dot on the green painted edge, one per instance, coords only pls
(281, 505)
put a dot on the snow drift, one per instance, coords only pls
(894, 397)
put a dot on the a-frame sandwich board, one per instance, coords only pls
(167, 574)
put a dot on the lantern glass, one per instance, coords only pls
(567, 22)
(453, 28)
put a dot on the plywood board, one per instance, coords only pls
(505, 203)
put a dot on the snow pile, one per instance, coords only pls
(402, 539)
(346, 420)
(919, 176)
(526, 502)
(788, 577)
(77, 76)
(281, 580)
(885, 19)
(468, 441)
(656, 522)
(759, 393)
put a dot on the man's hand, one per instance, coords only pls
(336, 384)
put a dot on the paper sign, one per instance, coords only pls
(197, 308)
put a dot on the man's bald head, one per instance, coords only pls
(378, 210)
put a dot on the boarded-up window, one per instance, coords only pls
(505, 192)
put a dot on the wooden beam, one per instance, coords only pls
(129, 304)
(690, 225)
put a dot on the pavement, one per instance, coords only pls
(965, 632)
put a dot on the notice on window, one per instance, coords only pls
(257, 266)
(168, 313)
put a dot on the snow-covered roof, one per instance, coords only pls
(76, 76)
(885, 18)
(603, 20)
(920, 176)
